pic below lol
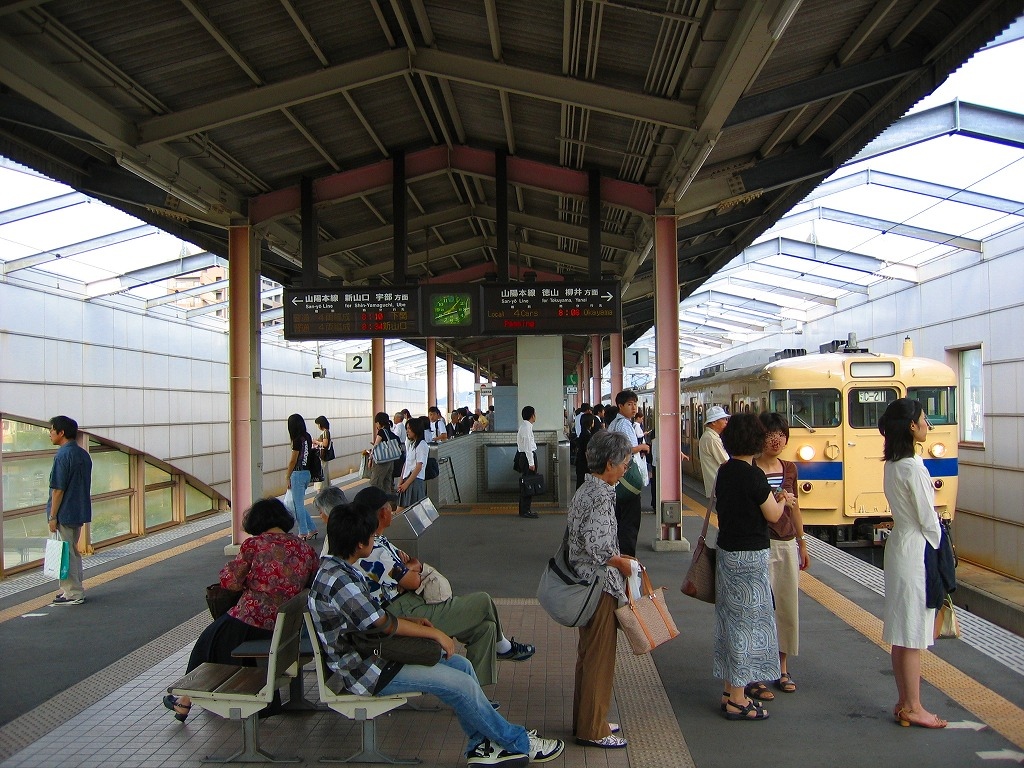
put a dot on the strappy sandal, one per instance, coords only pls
(180, 710)
(785, 683)
(744, 713)
(903, 717)
(759, 691)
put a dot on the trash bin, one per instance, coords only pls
(411, 531)
(564, 470)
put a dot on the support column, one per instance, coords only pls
(596, 364)
(451, 383)
(476, 384)
(615, 363)
(431, 372)
(666, 352)
(377, 375)
(244, 390)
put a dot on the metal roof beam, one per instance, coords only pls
(219, 305)
(731, 300)
(154, 274)
(39, 207)
(197, 290)
(895, 228)
(66, 251)
(792, 273)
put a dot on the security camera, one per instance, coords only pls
(319, 372)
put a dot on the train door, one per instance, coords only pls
(865, 403)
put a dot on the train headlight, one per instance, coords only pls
(805, 452)
(938, 450)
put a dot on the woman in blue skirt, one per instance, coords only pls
(746, 646)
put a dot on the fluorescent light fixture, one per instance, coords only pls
(695, 167)
(777, 26)
(146, 174)
(284, 254)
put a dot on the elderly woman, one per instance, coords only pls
(272, 566)
(746, 644)
(594, 544)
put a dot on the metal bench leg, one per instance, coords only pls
(297, 701)
(369, 752)
(250, 751)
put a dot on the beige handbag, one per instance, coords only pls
(434, 587)
(946, 624)
(646, 622)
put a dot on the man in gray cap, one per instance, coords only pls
(712, 452)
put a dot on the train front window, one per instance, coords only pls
(939, 403)
(807, 408)
(867, 405)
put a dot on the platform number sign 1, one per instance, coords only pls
(358, 362)
(637, 357)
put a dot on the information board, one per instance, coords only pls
(357, 312)
(551, 308)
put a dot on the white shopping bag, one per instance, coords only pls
(57, 558)
(633, 580)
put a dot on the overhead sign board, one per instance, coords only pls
(356, 312)
(522, 309)
(637, 357)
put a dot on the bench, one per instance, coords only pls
(240, 693)
(362, 709)
(259, 650)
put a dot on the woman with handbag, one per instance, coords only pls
(746, 645)
(908, 622)
(382, 475)
(299, 475)
(413, 486)
(326, 447)
(272, 566)
(593, 544)
(344, 612)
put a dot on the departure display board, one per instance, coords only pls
(556, 309)
(353, 312)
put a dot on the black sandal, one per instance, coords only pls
(785, 683)
(743, 713)
(759, 691)
(171, 702)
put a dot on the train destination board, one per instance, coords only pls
(352, 312)
(525, 309)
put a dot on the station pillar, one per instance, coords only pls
(539, 380)
(377, 376)
(431, 372)
(596, 364)
(615, 363)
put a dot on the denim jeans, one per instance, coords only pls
(454, 682)
(300, 481)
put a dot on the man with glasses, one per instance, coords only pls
(627, 512)
(69, 505)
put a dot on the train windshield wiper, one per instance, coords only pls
(803, 423)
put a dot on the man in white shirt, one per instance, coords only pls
(712, 452)
(527, 445)
(627, 512)
(438, 428)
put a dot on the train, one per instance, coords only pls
(832, 400)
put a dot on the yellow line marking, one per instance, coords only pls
(1003, 716)
(40, 602)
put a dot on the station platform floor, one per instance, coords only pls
(81, 686)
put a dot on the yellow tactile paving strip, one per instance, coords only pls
(94, 581)
(1001, 715)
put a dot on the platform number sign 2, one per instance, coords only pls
(637, 357)
(358, 362)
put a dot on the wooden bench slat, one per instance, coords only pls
(207, 677)
(249, 681)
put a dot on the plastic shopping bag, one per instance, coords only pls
(57, 558)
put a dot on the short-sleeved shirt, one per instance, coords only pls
(712, 456)
(340, 602)
(594, 533)
(72, 474)
(302, 445)
(624, 426)
(741, 490)
(271, 568)
(525, 440)
(416, 453)
(383, 570)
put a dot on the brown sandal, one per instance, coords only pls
(785, 683)
(759, 691)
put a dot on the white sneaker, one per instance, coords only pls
(487, 754)
(542, 750)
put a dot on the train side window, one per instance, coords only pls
(807, 407)
(939, 403)
(865, 406)
(972, 396)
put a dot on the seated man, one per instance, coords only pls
(340, 601)
(394, 576)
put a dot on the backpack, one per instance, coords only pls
(432, 469)
(398, 463)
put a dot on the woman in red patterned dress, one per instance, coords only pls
(272, 566)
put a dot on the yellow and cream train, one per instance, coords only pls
(832, 401)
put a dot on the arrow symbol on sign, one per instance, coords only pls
(1002, 754)
(967, 725)
(296, 300)
(608, 297)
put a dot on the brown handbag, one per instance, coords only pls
(646, 622)
(700, 578)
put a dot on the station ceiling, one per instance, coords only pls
(192, 116)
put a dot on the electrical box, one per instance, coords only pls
(671, 512)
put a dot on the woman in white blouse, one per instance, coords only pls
(413, 486)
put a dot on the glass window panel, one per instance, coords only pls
(156, 475)
(110, 519)
(19, 436)
(109, 471)
(159, 507)
(867, 405)
(26, 481)
(807, 407)
(939, 403)
(25, 539)
(196, 502)
(972, 405)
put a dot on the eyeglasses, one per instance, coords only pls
(930, 426)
